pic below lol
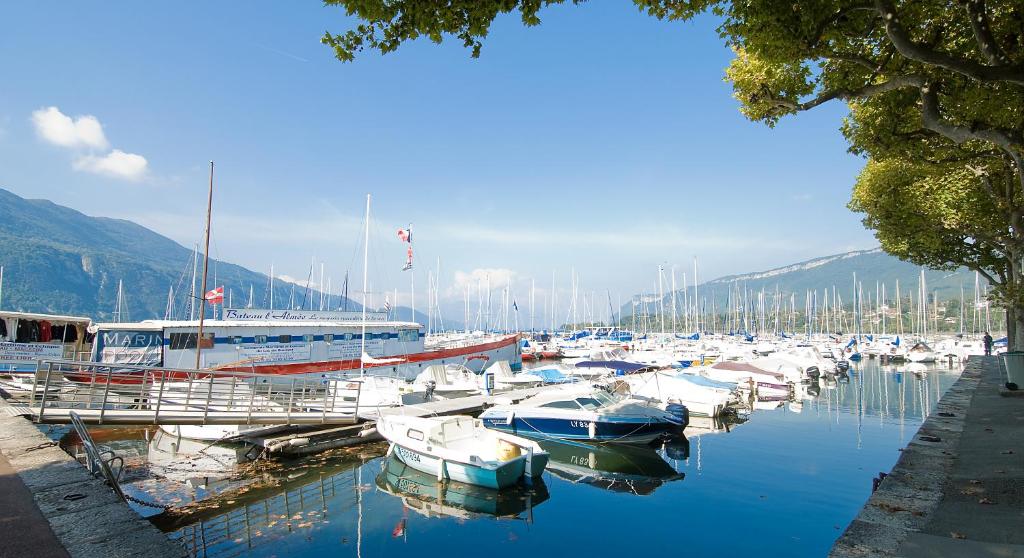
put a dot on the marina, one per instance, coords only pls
(223, 500)
(382, 278)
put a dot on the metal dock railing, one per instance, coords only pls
(100, 393)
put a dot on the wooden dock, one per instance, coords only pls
(310, 440)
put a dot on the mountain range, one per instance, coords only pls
(59, 260)
(871, 268)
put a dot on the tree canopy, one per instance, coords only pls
(935, 90)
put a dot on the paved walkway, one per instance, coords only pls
(23, 529)
(958, 488)
(51, 506)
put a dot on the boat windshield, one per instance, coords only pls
(589, 403)
(596, 400)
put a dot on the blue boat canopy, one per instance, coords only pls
(612, 364)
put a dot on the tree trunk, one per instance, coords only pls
(1011, 329)
(1015, 329)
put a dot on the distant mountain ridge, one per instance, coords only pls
(802, 266)
(873, 268)
(59, 260)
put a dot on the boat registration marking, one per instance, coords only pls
(408, 455)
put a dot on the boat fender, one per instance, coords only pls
(276, 447)
(367, 432)
(592, 430)
(298, 442)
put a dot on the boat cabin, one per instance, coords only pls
(239, 343)
(26, 338)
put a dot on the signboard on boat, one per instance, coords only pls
(20, 353)
(142, 348)
(351, 349)
(293, 352)
(257, 315)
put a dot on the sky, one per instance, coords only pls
(603, 143)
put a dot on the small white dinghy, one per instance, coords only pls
(461, 449)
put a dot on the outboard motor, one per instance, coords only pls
(428, 393)
(680, 412)
(843, 365)
(812, 373)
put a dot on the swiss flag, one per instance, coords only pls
(216, 296)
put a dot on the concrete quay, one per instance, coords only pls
(958, 487)
(51, 506)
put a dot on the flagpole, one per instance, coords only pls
(206, 268)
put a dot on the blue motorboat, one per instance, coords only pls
(587, 413)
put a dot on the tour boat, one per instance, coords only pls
(291, 343)
(26, 338)
(586, 413)
(459, 448)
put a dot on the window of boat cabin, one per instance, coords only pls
(236, 339)
(284, 338)
(414, 434)
(259, 339)
(180, 341)
(408, 335)
(349, 336)
(562, 405)
(328, 338)
(308, 338)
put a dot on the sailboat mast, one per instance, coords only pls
(366, 263)
(192, 287)
(206, 269)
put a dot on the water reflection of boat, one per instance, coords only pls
(265, 504)
(422, 493)
(702, 426)
(190, 461)
(620, 468)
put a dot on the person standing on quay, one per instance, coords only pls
(987, 340)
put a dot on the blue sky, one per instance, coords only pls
(602, 140)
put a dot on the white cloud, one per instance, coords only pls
(498, 277)
(117, 163)
(60, 129)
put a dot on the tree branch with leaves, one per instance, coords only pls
(935, 90)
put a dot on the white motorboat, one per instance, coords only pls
(461, 449)
(505, 378)
(447, 381)
(701, 396)
(921, 352)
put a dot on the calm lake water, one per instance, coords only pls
(784, 482)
